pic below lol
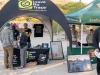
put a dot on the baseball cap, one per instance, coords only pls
(15, 24)
(7, 24)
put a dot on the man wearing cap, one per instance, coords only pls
(7, 42)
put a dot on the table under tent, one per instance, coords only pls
(88, 15)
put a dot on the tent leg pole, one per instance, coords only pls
(57, 31)
(81, 36)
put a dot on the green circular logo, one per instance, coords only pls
(25, 4)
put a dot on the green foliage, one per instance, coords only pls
(70, 7)
(29, 19)
(55, 27)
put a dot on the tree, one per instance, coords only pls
(70, 7)
(29, 19)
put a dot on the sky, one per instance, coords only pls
(85, 1)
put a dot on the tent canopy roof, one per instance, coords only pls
(89, 14)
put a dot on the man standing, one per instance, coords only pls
(89, 38)
(74, 35)
(7, 42)
(96, 42)
(28, 31)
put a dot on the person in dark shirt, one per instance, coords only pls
(16, 36)
(96, 42)
(28, 31)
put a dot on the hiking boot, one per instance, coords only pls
(6, 67)
(12, 68)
